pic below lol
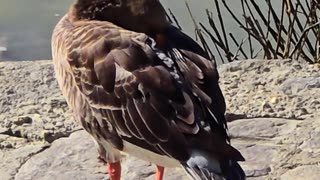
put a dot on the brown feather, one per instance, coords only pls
(120, 89)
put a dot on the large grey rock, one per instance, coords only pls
(309, 172)
(12, 158)
(30, 100)
(296, 85)
(75, 157)
(273, 146)
(135, 169)
(33, 115)
(258, 141)
(67, 158)
(275, 88)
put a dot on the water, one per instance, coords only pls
(26, 25)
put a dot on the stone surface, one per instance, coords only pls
(310, 172)
(31, 100)
(13, 157)
(273, 109)
(76, 158)
(67, 158)
(273, 146)
(276, 88)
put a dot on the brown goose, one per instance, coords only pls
(140, 86)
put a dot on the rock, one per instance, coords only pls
(256, 170)
(260, 128)
(33, 91)
(19, 131)
(59, 124)
(4, 130)
(312, 144)
(233, 116)
(67, 158)
(11, 160)
(12, 142)
(301, 112)
(77, 153)
(259, 158)
(51, 136)
(135, 169)
(273, 147)
(309, 172)
(273, 82)
(267, 107)
(23, 120)
(295, 85)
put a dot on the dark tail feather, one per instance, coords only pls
(231, 171)
(202, 174)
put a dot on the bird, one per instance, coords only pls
(141, 87)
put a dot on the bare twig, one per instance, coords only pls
(257, 53)
(306, 40)
(291, 30)
(302, 37)
(269, 17)
(221, 23)
(224, 47)
(256, 7)
(239, 45)
(249, 36)
(199, 34)
(174, 19)
(289, 37)
(216, 43)
(239, 49)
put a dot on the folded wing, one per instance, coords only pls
(166, 101)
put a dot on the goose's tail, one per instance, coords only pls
(232, 172)
(202, 166)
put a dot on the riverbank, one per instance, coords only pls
(273, 109)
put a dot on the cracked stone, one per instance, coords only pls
(77, 154)
(272, 147)
(312, 144)
(256, 170)
(258, 128)
(12, 160)
(4, 130)
(51, 136)
(22, 120)
(59, 124)
(310, 172)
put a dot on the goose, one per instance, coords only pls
(140, 86)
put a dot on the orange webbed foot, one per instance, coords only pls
(159, 172)
(114, 170)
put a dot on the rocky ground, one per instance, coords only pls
(273, 109)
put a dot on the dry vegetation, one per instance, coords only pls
(293, 32)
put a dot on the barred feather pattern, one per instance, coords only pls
(123, 89)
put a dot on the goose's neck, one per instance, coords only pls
(145, 16)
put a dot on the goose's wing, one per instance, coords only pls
(141, 92)
(192, 60)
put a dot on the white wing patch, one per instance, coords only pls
(121, 73)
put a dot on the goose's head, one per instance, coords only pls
(136, 15)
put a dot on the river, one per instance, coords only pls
(26, 25)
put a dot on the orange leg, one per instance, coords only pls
(114, 170)
(159, 172)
